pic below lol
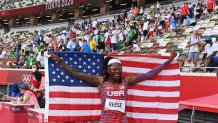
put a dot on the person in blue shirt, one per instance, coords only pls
(73, 46)
(190, 21)
(173, 24)
(14, 91)
(85, 47)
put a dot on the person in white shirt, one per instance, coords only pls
(114, 39)
(141, 10)
(135, 47)
(40, 59)
(94, 24)
(3, 53)
(145, 28)
(69, 43)
(194, 45)
(211, 52)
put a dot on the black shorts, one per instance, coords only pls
(210, 10)
(101, 45)
(145, 32)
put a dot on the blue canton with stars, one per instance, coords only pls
(83, 62)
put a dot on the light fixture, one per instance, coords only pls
(94, 10)
(70, 13)
(123, 4)
(5, 20)
(26, 18)
(48, 16)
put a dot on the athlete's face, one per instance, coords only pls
(115, 71)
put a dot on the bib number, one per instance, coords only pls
(115, 105)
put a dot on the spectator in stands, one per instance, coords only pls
(199, 12)
(40, 59)
(173, 25)
(114, 39)
(135, 47)
(28, 96)
(190, 21)
(211, 6)
(30, 60)
(211, 50)
(145, 28)
(194, 45)
(85, 47)
(141, 11)
(101, 44)
(184, 12)
(93, 45)
(3, 54)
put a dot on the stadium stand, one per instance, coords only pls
(12, 4)
(159, 44)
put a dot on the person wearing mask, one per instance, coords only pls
(112, 80)
(37, 76)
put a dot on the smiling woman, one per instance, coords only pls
(112, 86)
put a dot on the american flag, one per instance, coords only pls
(150, 101)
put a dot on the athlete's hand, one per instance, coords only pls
(173, 54)
(54, 57)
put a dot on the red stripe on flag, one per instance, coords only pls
(73, 95)
(74, 107)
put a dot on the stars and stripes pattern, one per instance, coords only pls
(150, 101)
(70, 99)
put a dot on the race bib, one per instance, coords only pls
(115, 105)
